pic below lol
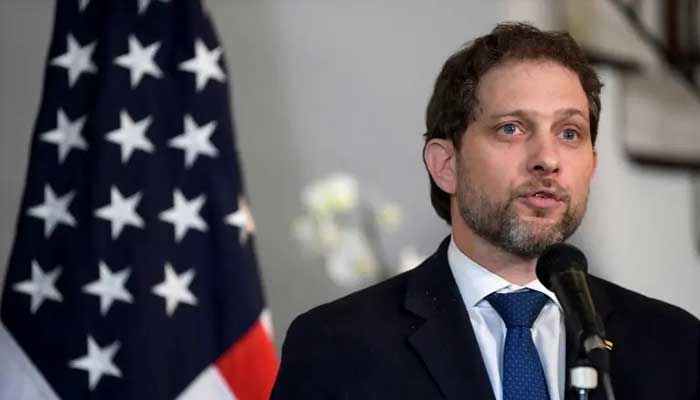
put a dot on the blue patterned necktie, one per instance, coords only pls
(523, 375)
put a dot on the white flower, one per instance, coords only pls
(304, 232)
(334, 194)
(316, 234)
(352, 263)
(389, 217)
(328, 233)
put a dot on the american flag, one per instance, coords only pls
(133, 274)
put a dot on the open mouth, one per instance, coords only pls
(544, 195)
(542, 199)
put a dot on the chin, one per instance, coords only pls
(540, 228)
(538, 220)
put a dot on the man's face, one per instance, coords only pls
(526, 161)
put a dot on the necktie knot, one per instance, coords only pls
(518, 309)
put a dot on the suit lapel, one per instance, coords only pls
(604, 308)
(446, 340)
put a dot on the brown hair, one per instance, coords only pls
(453, 102)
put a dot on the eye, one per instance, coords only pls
(569, 135)
(510, 129)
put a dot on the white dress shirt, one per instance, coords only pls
(475, 283)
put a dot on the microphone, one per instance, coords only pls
(562, 268)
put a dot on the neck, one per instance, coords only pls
(514, 269)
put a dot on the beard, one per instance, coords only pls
(500, 224)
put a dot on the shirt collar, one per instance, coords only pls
(476, 282)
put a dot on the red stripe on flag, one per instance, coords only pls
(250, 365)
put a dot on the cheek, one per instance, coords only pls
(582, 182)
(502, 169)
(493, 169)
(493, 179)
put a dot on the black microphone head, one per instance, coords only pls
(557, 258)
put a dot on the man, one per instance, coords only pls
(511, 129)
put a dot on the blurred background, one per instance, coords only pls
(329, 98)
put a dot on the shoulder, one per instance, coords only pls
(634, 306)
(360, 329)
(385, 305)
(380, 302)
(374, 316)
(368, 332)
(649, 332)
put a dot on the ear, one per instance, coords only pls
(441, 160)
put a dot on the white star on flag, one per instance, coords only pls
(83, 5)
(204, 64)
(131, 135)
(139, 60)
(121, 211)
(66, 135)
(76, 59)
(174, 289)
(41, 286)
(184, 214)
(97, 362)
(109, 287)
(243, 220)
(54, 210)
(143, 5)
(195, 140)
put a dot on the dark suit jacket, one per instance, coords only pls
(410, 338)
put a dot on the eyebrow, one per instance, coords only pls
(524, 114)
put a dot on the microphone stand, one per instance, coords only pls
(599, 356)
(584, 378)
(607, 385)
(594, 362)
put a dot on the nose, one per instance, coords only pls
(544, 156)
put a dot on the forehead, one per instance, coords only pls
(539, 86)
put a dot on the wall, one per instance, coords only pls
(25, 29)
(640, 227)
(641, 230)
(327, 86)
